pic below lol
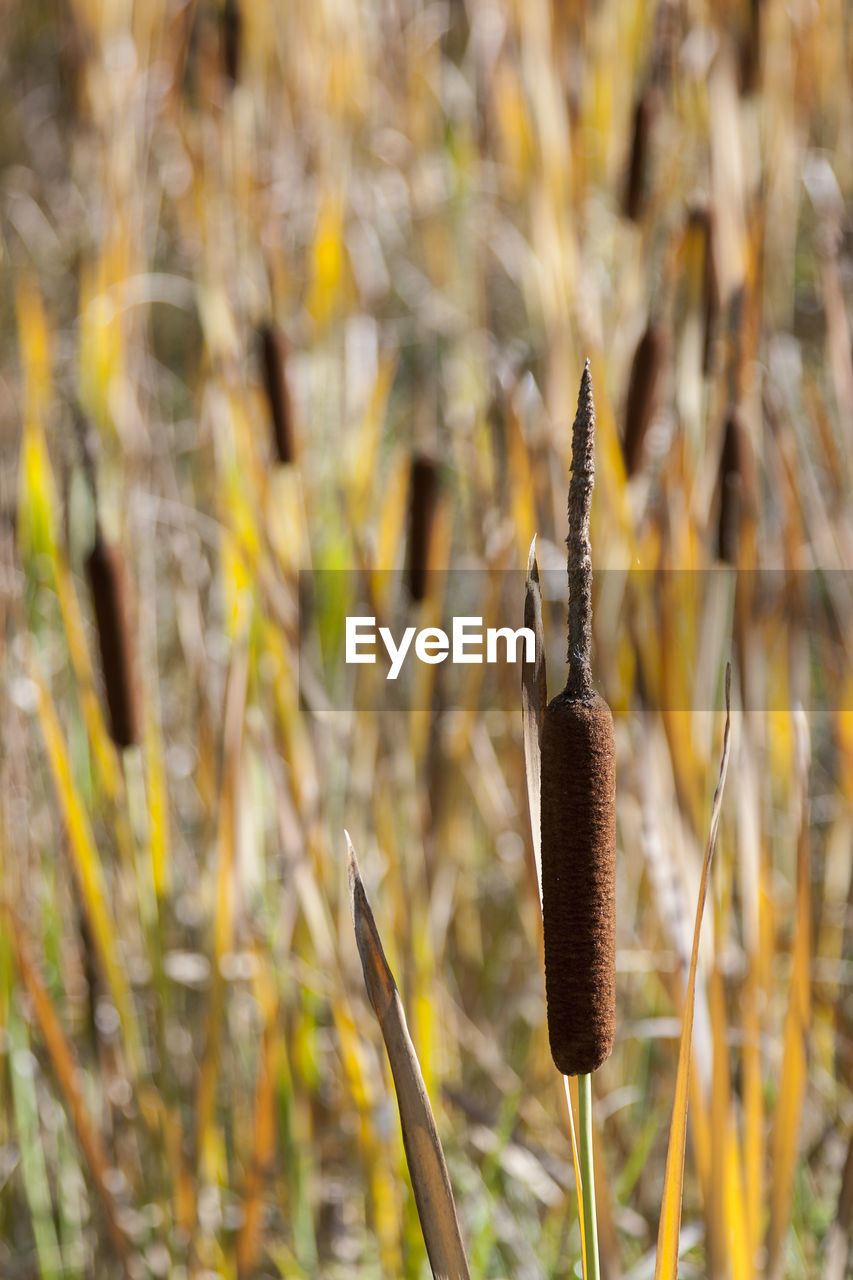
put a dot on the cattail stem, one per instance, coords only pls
(590, 1221)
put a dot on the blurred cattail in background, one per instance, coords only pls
(701, 224)
(423, 501)
(106, 573)
(273, 360)
(636, 185)
(750, 51)
(643, 387)
(232, 39)
(578, 807)
(736, 484)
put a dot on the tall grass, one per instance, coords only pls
(429, 201)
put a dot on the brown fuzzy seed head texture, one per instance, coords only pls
(105, 569)
(579, 880)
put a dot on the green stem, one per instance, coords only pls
(590, 1225)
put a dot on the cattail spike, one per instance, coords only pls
(580, 555)
(577, 808)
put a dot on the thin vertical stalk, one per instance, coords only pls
(590, 1233)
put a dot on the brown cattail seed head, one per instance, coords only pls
(423, 500)
(703, 222)
(736, 485)
(274, 357)
(638, 166)
(750, 51)
(232, 39)
(578, 880)
(643, 384)
(105, 569)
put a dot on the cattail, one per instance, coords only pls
(702, 222)
(232, 39)
(750, 51)
(578, 793)
(638, 165)
(105, 569)
(423, 500)
(274, 357)
(646, 369)
(736, 486)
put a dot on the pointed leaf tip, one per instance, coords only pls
(353, 876)
(532, 566)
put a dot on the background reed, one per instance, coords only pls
(429, 200)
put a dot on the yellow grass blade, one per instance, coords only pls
(729, 1238)
(753, 1113)
(571, 1083)
(789, 1103)
(34, 347)
(666, 1262)
(87, 868)
(425, 1158)
(158, 805)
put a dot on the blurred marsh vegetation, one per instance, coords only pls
(444, 208)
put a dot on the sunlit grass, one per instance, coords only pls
(428, 200)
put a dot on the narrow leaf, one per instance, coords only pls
(666, 1264)
(533, 700)
(424, 1155)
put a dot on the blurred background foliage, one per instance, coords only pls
(441, 209)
